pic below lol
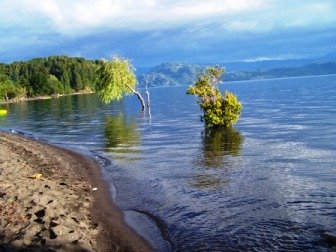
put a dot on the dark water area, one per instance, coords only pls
(268, 184)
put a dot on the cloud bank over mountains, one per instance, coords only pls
(158, 30)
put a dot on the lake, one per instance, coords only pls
(268, 184)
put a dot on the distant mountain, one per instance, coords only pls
(170, 74)
(321, 68)
(265, 64)
(176, 74)
(330, 57)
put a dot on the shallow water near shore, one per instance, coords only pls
(267, 184)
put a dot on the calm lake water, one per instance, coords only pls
(268, 184)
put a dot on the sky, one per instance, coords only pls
(150, 32)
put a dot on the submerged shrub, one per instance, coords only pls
(219, 110)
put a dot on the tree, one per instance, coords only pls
(10, 91)
(75, 74)
(219, 110)
(116, 79)
(55, 86)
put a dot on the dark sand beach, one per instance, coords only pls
(55, 199)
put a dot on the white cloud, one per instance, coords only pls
(278, 57)
(73, 17)
(84, 15)
(312, 14)
(252, 25)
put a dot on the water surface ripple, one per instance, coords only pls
(268, 184)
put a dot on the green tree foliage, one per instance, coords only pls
(219, 110)
(57, 87)
(52, 75)
(116, 79)
(8, 90)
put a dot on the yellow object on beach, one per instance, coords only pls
(3, 112)
(37, 176)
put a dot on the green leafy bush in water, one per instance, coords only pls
(219, 110)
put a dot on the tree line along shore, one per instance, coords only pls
(43, 77)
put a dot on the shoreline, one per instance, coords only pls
(47, 97)
(68, 208)
(44, 97)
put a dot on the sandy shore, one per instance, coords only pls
(49, 201)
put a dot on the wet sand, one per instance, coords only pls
(55, 199)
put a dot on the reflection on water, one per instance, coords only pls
(207, 181)
(2, 120)
(271, 190)
(217, 145)
(119, 131)
(121, 134)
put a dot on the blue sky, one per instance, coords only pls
(154, 31)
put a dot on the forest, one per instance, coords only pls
(47, 76)
(56, 75)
